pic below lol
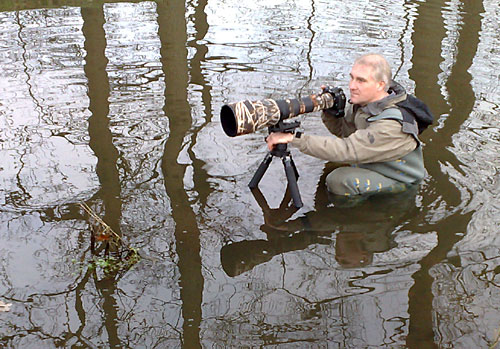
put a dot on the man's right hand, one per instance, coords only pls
(278, 138)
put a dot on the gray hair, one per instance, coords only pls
(380, 66)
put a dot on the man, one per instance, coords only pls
(378, 140)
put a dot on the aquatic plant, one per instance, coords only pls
(122, 257)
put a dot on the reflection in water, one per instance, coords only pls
(461, 97)
(102, 144)
(358, 232)
(101, 140)
(173, 36)
(200, 175)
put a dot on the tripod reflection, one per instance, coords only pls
(357, 232)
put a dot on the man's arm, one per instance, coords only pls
(382, 141)
(340, 127)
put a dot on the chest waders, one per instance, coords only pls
(389, 176)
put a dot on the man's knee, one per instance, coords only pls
(342, 181)
(348, 181)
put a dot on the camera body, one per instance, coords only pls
(338, 109)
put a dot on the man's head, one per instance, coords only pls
(370, 79)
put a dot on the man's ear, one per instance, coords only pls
(381, 85)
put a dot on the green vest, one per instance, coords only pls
(408, 169)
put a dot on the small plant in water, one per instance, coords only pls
(122, 257)
(111, 265)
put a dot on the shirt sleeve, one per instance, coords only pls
(381, 141)
(340, 127)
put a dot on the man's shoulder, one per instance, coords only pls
(391, 113)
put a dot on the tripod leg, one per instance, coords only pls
(254, 182)
(294, 168)
(291, 175)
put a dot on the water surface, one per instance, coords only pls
(116, 105)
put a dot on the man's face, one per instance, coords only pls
(363, 87)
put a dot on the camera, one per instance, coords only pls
(247, 117)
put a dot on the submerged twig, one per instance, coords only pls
(497, 340)
(107, 229)
(104, 232)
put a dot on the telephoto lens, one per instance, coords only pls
(247, 117)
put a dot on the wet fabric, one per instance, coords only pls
(348, 181)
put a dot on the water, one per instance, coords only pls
(116, 105)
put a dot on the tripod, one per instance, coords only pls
(281, 150)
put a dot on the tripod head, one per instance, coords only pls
(281, 149)
(283, 126)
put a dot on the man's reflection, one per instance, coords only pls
(358, 231)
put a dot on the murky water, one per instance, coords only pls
(116, 105)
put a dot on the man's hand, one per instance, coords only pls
(337, 110)
(277, 138)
